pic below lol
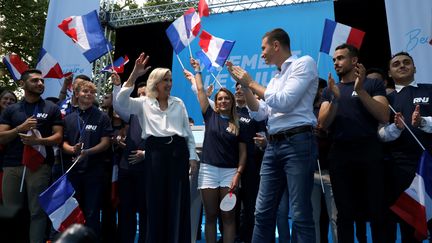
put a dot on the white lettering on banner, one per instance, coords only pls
(416, 37)
(421, 100)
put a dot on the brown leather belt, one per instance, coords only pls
(290, 132)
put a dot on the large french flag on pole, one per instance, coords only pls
(415, 204)
(335, 34)
(15, 65)
(215, 51)
(60, 205)
(86, 32)
(183, 30)
(49, 67)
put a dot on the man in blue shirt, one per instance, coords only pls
(290, 156)
(351, 110)
(31, 122)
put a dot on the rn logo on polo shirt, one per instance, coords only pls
(245, 120)
(91, 127)
(354, 94)
(42, 115)
(421, 100)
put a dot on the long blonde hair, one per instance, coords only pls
(234, 126)
(154, 78)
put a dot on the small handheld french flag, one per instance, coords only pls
(86, 32)
(49, 67)
(203, 8)
(183, 30)
(335, 34)
(117, 66)
(215, 51)
(15, 65)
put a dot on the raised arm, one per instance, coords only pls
(202, 96)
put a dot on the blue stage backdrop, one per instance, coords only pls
(303, 22)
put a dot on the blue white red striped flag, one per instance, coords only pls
(215, 51)
(203, 8)
(335, 34)
(34, 155)
(117, 66)
(415, 204)
(184, 30)
(15, 65)
(60, 205)
(86, 32)
(49, 67)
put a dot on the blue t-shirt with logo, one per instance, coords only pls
(220, 147)
(353, 121)
(47, 114)
(87, 127)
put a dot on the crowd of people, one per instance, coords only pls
(287, 151)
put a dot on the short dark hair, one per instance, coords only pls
(26, 74)
(377, 70)
(352, 50)
(83, 77)
(401, 53)
(280, 35)
(142, 84)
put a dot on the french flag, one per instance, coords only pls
(86, 32)
(117, 66)
(335, 34)
(415, 204)
(215, 51)
(183, 30)
(15, 65)
(60, 205)
(33, 155)
(49, 67)
(203, 8)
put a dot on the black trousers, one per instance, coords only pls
(358, 163)
(132, 201)
(167, 190)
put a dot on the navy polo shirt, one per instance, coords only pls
(87, 126)
(405, 102)
(353, 121)
(220, 147)
(47, 114)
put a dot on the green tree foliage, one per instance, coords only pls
(22, 24)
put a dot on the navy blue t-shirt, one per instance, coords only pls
(405, 102)
(249, 128)
(47, 114)
(220, 147)
(353, 121)
(87, 127)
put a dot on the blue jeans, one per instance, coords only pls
(287, 163)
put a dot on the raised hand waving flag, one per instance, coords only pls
(215, 51)
(86, 32)
(335, 34)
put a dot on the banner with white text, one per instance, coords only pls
(61, 46)
(410, 30)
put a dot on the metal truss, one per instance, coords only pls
(171, 11)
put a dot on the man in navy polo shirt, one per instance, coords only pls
(412, 102)
(31, 122)
(87, 135)
(351, 110)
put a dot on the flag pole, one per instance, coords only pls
(22, 179)
(110, 57)
(216, 79)
(190, 51)
(178, 58)
(76, 160)
(319, 57)
(409, 130)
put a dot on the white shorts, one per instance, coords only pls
(213, 177)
